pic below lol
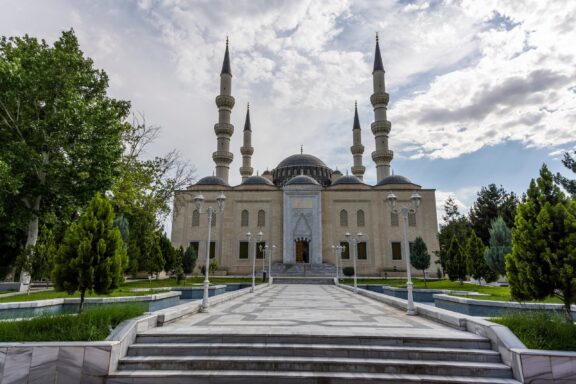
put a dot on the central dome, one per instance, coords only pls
(301, 164)
(301, 160)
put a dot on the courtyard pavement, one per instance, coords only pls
(308, 310)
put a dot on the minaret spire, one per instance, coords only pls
(357, 148)
(246, 149)
(382, 156)
(223, 129)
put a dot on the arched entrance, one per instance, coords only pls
(302, 250)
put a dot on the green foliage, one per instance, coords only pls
(61, 133)
(454, 225)
(91, 256)
(92, 325)
(541, 330)
(455, 261)
(124, 227)
(500, 245)
(190, 258)
(543, 258)
(475, 264)
(179, 265)
(492, 202)
(348, 271)
(213, 267)
(568, 184)
(168, 252)
(419, 256)
(44, 253)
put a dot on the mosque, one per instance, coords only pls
(304, 207)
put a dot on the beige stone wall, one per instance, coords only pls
(378, 231)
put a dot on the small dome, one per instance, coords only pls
(257, 180)
(266, 172)
(337, 172)
(300, 160)
(302, 180)
(394, 179)
(212, 180)
(348, 179)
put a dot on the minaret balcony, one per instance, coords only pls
(225, 129)
(381, 127)
(247, 151)
(225, 101)
(358, 170)
(357, 149)
(379, 99)
(382, 156)
(222, 157)
(246, 171)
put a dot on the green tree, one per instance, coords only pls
(179, 265)
(543, 258)
(568, 184)
(492, 201)
(168, 252)
(190, 258)
(455, 224)
(61, 133)
(91, 256)
(500, 245)
(419, 256)
(475, 264)
(45, 251)
(456, 261)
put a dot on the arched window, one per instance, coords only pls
(343, 218)
(195, 218)
(360, 218)
(244, 218)
(261, 218)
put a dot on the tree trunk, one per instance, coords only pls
(424, 273)
(31, 238)
(82, 294)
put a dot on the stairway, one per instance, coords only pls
(303, 359)
(303, 270)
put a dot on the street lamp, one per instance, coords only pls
(257, 239)
(210, 211)
(268, 251)
(353, 247)
(415, 199)
(337, 255)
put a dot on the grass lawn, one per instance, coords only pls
(63, 295)
(93, 324)
(541, 330)
(189, 281)
(493, 293)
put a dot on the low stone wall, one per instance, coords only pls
(194, 293)
(88, 362)
(488, 308)
(13, 286)
(70, 305)
(528, 365)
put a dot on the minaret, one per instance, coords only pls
(382, 156)
(357, 148)
(224, 130)
(246, 149)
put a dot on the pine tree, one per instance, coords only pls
(475, 264)
(455, 224)
(500, 245)
(190, 258)
(543, 258)
(455, 261)
(168, 252)
(419, 256)
(91, 255)
(179, 265)
(492, 202)
(43, 261)
(568, 184)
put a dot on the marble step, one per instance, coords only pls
(470, 342)
(315, 350)
(279, 377)
(315, 364)
(304, 280)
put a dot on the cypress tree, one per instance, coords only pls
(475, 263)
(543, 258)
(190, 258)
(419, 256)
(455, 261)
(91, 255)
(500, 245)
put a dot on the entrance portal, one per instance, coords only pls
(302, 249)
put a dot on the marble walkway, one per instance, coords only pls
(308, 310)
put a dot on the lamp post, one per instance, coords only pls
(352, 243)
(337, 255)
(415, 199)
(210, 211)
(257, 239)
(269, 251)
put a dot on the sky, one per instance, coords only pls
(480, 91)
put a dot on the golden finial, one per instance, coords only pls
(376, 37)
(248, 107)
(355, 103)
(301, 149)
(227, 39)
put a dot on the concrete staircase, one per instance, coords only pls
(303, 359)
(303, 270)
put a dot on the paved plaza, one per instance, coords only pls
(308, 310)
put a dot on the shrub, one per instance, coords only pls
(541, 330)
(348, 271)
(93, 324)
